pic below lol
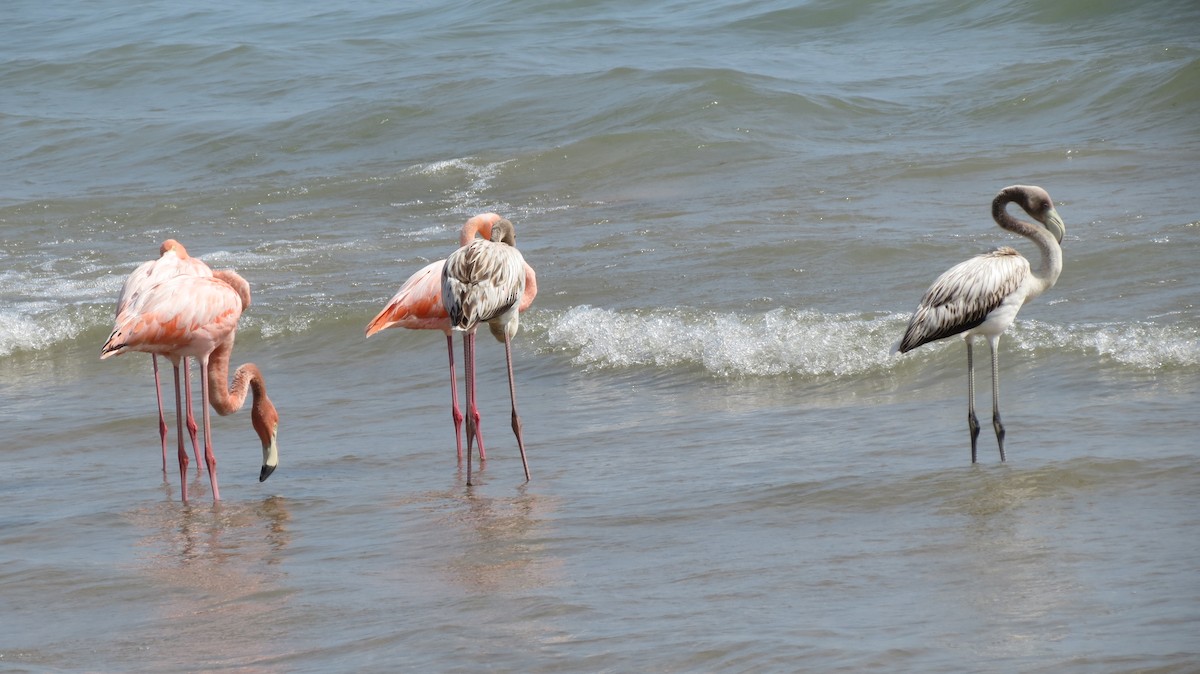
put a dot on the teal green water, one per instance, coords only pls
(732, 208)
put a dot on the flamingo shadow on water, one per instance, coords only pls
(981, 296)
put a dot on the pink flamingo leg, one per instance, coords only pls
(477, 434)
(475, 407)
(512, 392)
(183, 457)
(209, 457)
(191, 419)
(162, 421)
(472, 408)
(471, 419)
(455, 412)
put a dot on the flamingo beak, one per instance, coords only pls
(270, 456)
(1055, 224)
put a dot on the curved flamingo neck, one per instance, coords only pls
(228, 397)
(480, 225)
(1051, 263)
(235, 281)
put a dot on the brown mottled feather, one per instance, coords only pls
(481, 282)
(963, 296)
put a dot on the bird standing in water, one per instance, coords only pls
(981, 296)
(418, 306)
(485, 282)
(173, 261)
(196, 317)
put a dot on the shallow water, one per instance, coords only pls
(732, 209)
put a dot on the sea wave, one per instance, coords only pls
(48, 312)
(813, 343)
(778, 342)
(40, 326)
(1145, 345)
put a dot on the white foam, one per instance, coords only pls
(425, 233)
(34, 326)
(45, 284)
(811, 343)
(225, 259)
(1151, 346)
(480, 176)
(294, 323)
(778, 342)
(40, 308)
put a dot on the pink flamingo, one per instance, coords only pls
(196, 317)
(173, 261)
(418, 306)
(486, 281)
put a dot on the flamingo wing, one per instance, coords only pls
(185, 315)
(963, 296)
(417, 305)
(153, 272)
(482, 281)
(530, 287)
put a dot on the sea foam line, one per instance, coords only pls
(778, 342)
(807, 342)
(1141, 344)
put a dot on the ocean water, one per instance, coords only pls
(732, 208)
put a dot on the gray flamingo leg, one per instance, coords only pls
(972, 420)
(996, 423)
(516, 418)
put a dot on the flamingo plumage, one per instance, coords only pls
(196, 317)
(982, 295)
(485, 281)
(418, 306)
(173, 260)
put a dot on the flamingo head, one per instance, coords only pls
(504, 232)
(1036, 202)
(171, 245)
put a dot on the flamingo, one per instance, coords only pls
(981, 296)
(173, 261)
(485, 281)
(196, 317)
(418, 306)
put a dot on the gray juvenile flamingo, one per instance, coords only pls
(981, 296)
(485, 282)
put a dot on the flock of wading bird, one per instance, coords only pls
(177, 307)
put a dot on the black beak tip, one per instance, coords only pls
(265, 473)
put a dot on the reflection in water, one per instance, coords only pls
(502, 556)
(1013, 584)
(485, 545)
(503, 550)
(216, 569)
(499, 540)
